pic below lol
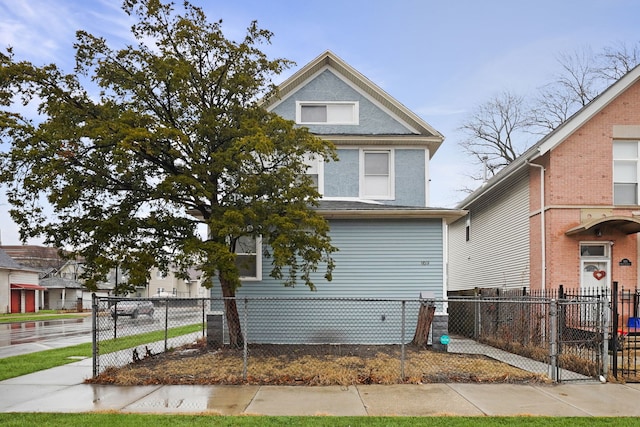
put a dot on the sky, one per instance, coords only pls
(441, 59)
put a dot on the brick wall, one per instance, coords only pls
(579, 178)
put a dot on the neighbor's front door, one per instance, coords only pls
(595, 275)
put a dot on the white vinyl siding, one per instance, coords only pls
(24, 278)
(497, 252)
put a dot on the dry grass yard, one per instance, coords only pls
(312, 365)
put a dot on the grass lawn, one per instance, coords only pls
(42, 315)
(123, 420)
(16, 366)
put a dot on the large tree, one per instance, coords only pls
(177, 136)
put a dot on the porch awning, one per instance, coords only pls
(625, 224)
(29, 287)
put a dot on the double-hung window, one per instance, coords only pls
(327, 113)
(249, 257)
(376, 174)
(315, 171)
(625, 172)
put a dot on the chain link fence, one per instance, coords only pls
(128, 330)
(353, 341)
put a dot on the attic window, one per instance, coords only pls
(327, 113)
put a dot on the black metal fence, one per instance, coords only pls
(487, 338)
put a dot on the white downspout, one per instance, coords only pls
(543, 242)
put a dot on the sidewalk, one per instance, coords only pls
(62, 390)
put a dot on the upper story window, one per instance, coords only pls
(376, 174)
(625, 172)
(315, 171)
(249, 257)
(327, 113)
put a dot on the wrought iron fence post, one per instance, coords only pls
(553, 339)
(402, 352)
(245, 352)
(614, 332)
(604, 316)
(94, 333)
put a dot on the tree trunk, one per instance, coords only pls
(236, 339)
(425, 317)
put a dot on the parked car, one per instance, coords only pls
(132, 308)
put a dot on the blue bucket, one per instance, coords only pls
(633, 322)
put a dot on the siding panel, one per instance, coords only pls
(390, 259)
(497, 253)
(377, 259)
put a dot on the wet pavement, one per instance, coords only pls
(63, 389)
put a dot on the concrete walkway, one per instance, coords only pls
(62, 389)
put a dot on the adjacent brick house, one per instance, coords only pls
(565, 212)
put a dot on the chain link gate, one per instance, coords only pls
(582, 337)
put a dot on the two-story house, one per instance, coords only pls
(375, 197)
(170, 285)
(565, 212)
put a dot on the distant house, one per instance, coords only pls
(565, 212)
(375, 197)
(170, 285)
(19, 288)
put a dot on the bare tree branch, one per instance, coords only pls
(494, 130)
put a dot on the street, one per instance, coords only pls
(29, 337)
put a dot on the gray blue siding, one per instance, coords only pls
(391, 259)
(410, 178)
(327, 87)
(342, 178)
(377, 259)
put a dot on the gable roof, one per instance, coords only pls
(559, 135)
(8, 263)
(426, 133)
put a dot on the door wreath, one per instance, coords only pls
(599, 274)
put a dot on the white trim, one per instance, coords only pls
(351, 199)
(556, 137)
(445, 265)
(605, 259)
(321, 176)
(427, 178)
(391, 195)
(258, 255)
(354, 104)
(355, 79)
(590, 110)
(319, 169)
